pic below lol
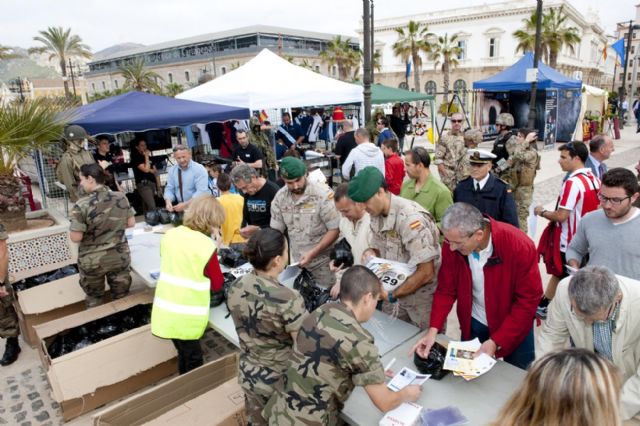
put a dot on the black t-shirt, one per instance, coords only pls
(257, 207)
(346, 142)
(399, 125)
(109, 171)
(250, 154)
(139, 175)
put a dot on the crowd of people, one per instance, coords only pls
(463, 235)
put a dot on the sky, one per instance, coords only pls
(103, 23)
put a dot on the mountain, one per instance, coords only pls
(27, 66)
(115, 50)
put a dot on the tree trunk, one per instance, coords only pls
(63, 70)
(445, 81)
(416, 71)
(12, 203)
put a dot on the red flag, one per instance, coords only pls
(263, 116)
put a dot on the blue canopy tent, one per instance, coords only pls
(557, 100)
(137, 111)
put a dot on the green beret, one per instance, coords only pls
(292, 168)
(365, 184)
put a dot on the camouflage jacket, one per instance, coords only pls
(450, 152)
(261, 140)
(265, 313)
(333, 354)
(524, 161)
(102, 217)
(68, 169)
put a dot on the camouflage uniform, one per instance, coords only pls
(259, 139)
(409, 234)
(8, 317)
(265, 313)
(450, 152)
(332, 355)
(307, 220)
(525, 161)
(68, 170)
(104, 251)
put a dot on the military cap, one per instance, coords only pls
(480, 156)
(75, 132)
(292, 168)
(365, 184)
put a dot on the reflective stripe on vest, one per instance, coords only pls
(181, 303)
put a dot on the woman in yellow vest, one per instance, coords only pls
(189, 268)
(267, 316)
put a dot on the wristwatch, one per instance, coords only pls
(390, 298)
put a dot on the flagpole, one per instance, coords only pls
(615, 69)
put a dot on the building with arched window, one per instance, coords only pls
(487, 45)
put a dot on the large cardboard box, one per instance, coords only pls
(47, 302)
(105, 371)
(207, 396)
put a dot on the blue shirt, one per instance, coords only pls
(195, 181)
(384, 135)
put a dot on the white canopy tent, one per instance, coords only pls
(594, 100)
(269, 81)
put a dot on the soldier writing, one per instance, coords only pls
(307, 212)
(68, 169)
(332, 355)
(8, 319)
(98, 223)
(267, 316)
(403, 231)
(450, 152)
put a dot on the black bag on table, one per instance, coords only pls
(341, 254)
(231, 257)
(313, 295)
(434, 363)
(217, 297)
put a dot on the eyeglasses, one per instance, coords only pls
(587, 318)
(614, 201)
(456, 121)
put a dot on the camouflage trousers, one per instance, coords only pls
(258, 383)
(113, 264)
(449, 180)
(8, 317)
(414, 308)
(319, 267)
(523, 196)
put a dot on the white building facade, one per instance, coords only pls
(485, 34)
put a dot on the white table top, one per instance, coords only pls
(479, 400)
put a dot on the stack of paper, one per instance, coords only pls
(460, 360)
(407, 414)
(406, 377)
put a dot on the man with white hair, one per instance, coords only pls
(597, 310)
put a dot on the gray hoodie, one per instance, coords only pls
(363, 155)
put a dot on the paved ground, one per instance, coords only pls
(25, 394)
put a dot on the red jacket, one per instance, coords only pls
(394, 173)
(512, 288)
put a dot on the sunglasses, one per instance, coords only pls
(456, 121)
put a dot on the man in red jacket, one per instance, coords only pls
(393, 165)
(491, 269)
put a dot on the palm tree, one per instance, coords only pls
(25, 126)
(61, 44)
(7, 53)
(554, 35)
(173, 89)
(137, 77)
(339, 52)
(411, 41)
(445, 52)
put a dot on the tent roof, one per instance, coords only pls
(138, 111)
(514, 78)
(381, 94)
(269, 81)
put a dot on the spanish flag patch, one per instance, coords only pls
(415, 225)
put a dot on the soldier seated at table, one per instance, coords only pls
(333, 354)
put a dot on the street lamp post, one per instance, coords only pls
(624, 72)
(373, 46)
(536, 58)
(73, 79)
(366, 77)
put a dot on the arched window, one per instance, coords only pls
(403, 85)
(430, 87)
(460, 88)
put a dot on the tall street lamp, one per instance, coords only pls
(366, 77)
(536, 58)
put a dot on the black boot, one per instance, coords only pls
(11, 351)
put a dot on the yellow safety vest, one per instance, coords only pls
(181, 303)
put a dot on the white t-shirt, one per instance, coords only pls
(357, 235)
(478, 309)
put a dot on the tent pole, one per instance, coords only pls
(536, 58)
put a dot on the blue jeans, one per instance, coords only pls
(521, 357)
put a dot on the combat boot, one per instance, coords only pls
(11, 351)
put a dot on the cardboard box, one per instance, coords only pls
(209, 395)
(105, 371)
(47, 302)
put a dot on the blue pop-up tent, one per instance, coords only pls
(514, 78)
(137, 111)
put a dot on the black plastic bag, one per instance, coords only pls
(165, 216)
(341, 254)
(434, 363)
(218, 297)
(152, 217)
(176, 218)
(313, 295)
(231, 258)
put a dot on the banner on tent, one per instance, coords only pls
(550, 118)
